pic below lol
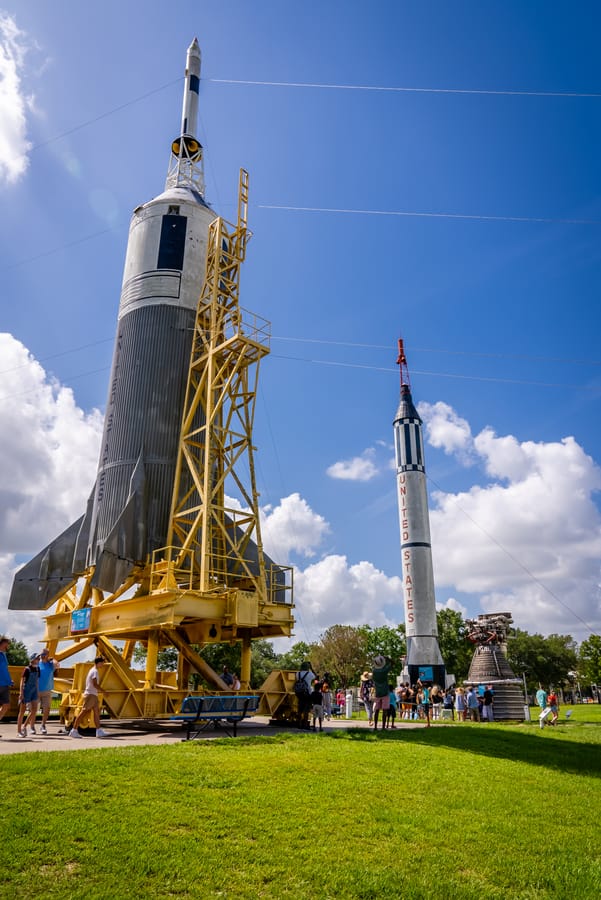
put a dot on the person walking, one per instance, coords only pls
(6, 681)
(367, 695)
(46, 685)
(472, 705)
(327, 699)
(316, 697)
(436, 699)
(303, 685)
(488, 704)
(553, 705)
(393, 706)
(449, 701)
(90, 701)
(460, 704)
(28, 696)
(382, 666)
(541, 699)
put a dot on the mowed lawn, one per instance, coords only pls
(451, 811)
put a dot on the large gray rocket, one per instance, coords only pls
(128, 510)
(424, 660)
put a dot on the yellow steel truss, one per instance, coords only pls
(210, 535)
(211, 582)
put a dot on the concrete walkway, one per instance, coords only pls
(127, 734)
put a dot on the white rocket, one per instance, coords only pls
(128, 511)
(424, 660)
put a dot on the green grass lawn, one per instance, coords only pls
(451, 811)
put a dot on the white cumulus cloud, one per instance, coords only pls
(48, 461)
(529, 540)
(446, 430)
(291, 526)
(14, 145)
(332, 591)
(359, 468)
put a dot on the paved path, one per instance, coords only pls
(126, 734)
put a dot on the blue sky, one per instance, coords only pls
(499, 312)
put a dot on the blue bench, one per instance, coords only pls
(218, 711)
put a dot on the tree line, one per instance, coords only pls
(345, 651)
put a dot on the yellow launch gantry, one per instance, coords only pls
(212, 583)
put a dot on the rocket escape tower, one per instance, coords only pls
(173, 555)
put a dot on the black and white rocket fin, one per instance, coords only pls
(49, 574)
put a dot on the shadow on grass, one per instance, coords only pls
(565, 756)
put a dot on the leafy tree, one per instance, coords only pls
(263, 659)
(385, 641)
(341, 652)
(544, 661)
(456, 651)
(294, 657)
(166, 658)
(16, 653)
(589, 660)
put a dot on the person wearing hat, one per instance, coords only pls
(382, 666)
(6, 681)
(303, 685)
(28, 695)
(90, 701)
(367, 695)
(46, 685)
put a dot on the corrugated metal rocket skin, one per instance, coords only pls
(128, 512)
(416, 550)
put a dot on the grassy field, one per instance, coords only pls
(466, 811)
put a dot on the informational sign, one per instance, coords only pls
(426, 673)
(80, 620)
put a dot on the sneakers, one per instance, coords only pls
(22, 733)
(43, 730)
(102, 734)
(74, 733)
(33, 729)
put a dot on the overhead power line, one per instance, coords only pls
(489, 355)
(105, 115)
(344, 365)
(405, 90)
(429, 215)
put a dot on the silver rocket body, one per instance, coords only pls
(128, 511)
(424, 660)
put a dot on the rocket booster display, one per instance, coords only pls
(424, 660)
(128, 510)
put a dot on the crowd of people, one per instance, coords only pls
(421, 701)
(384, 702)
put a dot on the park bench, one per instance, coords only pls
(219, 711)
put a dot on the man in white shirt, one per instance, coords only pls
(90, 701)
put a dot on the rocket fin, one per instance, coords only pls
(49, 574)
(125, 545)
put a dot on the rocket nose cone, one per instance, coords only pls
(194, 47)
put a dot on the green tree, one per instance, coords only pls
(166, 658)
(589, 660)
(456, 650)
(385, 641)
(545, 661)
(16, 653)
(263, 659)
(294, 657)
(341, 652)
